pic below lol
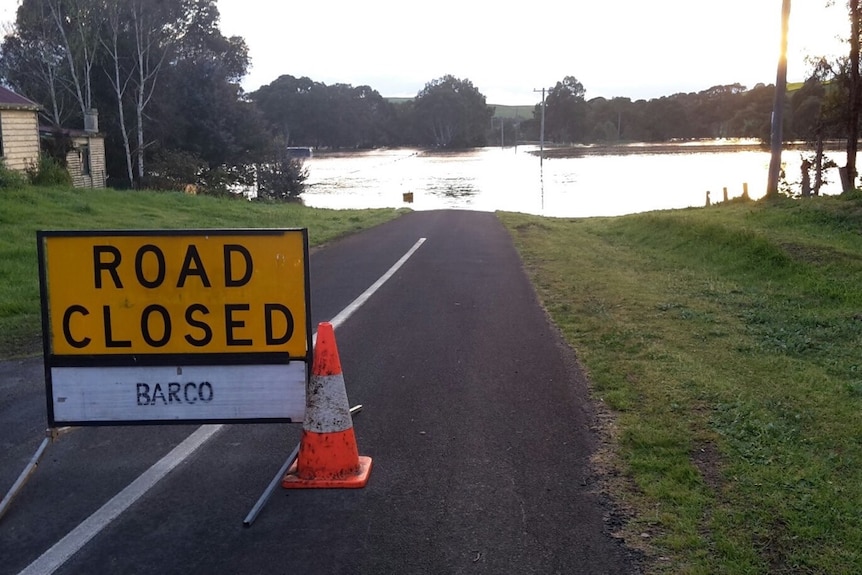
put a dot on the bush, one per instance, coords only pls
(220, 181)
(48, 172)
(283, 179)
(10, 178)
(173, 170)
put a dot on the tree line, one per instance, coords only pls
(166, 84)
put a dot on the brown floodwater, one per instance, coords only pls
(513, 179)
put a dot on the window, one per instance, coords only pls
(85, 159)
(1, 136)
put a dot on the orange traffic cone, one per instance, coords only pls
(328, 456)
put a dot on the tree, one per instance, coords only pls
(607, 119)
(79, 24)
(750, 113)
(119, 76)
(282, 177)
(306, 113)
(806, 110)
(287, 108)
(151, 39)
(842, 103)
(185, 96)
(160, 71)
(666, 118)
(710, 110)
(565, 111)
(32, 61)
(452, 113)
(200, 110)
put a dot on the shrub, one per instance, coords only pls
(173, 170)
(283, 179)
(48, 172)
(220, 180)
(10, 178)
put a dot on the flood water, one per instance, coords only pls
(512, 179)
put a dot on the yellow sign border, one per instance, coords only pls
(185, 292)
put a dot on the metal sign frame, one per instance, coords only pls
(244, 382)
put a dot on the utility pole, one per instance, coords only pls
(542, 135)
(848, 173)
(778, 105)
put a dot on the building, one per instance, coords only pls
(83, 150)
(22, 139)
(19, 130)
(86, 160)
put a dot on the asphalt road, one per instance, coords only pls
(475, 414)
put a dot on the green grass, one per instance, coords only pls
(725, 345)
(24, 210)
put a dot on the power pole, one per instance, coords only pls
(542, 134)
(848, 173)
(778, 105)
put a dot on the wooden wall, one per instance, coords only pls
(74, 162)
(20, 133)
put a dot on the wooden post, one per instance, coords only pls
(745, 191)
(725, 194)
(806, 178)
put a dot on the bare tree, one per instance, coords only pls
(137, 42)
(79, 24)
(151, 39)
(33, 60)
(119, 77)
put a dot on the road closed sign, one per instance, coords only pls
(175, 326)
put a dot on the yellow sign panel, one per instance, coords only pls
(211, 291)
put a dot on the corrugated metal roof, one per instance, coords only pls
(11, 100)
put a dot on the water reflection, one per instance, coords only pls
(512, 179)
(453, 188)
(542, 181)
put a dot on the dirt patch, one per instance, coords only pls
(819, 256)
(775, 547)
(707, 459)
(530, 227)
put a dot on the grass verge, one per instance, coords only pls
(724, 342)
(27, 209)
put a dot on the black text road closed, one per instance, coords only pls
(173, 299)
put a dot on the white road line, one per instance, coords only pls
(358, 302)
(57, 555)
(54, 557)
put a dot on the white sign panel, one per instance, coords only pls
(224, 392)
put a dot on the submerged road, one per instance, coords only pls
(475, 414)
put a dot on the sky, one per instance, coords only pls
(627, 48)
